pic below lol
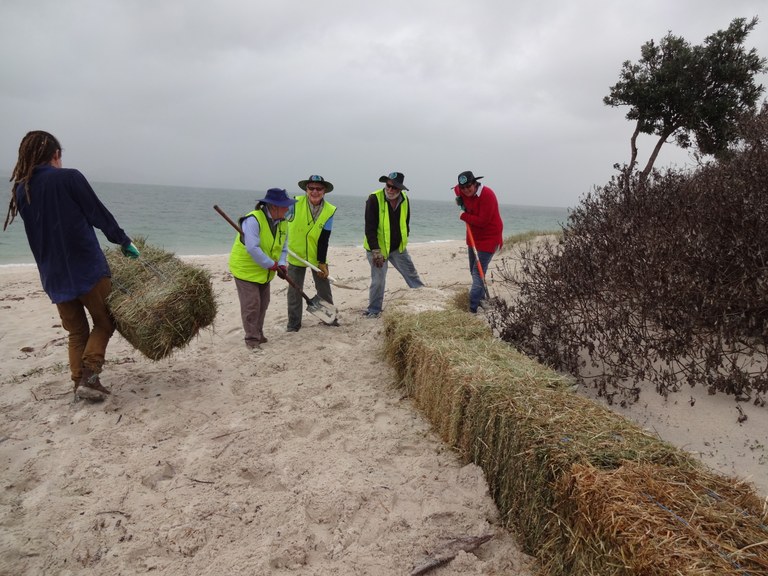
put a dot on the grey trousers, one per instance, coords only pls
(295, 301)
(403, 264)
(254, 301)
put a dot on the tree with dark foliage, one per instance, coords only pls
(695, 94)
(662, 281)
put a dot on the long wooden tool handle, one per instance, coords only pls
(312, 266)
(305, 262)
(474, 249)
(228, 219)
(236, 227)
(477, 260)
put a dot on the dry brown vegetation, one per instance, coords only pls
(662, 282)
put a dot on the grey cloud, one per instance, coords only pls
(241, 93)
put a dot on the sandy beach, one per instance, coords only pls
(302, 458)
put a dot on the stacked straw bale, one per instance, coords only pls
(159, 303)
(588, 491)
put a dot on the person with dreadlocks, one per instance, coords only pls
(60, 210)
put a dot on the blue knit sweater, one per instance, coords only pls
(59, 221)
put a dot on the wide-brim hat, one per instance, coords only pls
(468, 178)
(318, 180)
(397, 179)
(278, 197)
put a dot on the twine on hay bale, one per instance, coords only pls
(159, 303)
(561, 468)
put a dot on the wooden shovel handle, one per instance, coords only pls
(477, 260)
(232, 223)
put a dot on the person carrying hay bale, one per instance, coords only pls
(60, 211)
(257, 255)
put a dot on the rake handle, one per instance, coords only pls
(477, 259)
(232, 223)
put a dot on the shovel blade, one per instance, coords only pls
(323, 310)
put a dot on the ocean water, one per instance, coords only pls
(182, 220)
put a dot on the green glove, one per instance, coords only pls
(130, 251)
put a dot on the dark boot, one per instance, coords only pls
(90, 387)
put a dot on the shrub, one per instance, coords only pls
(663, 281)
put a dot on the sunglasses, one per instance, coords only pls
(466, 186)
(316, 188)
(392, 187)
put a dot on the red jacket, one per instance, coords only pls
(482, 215)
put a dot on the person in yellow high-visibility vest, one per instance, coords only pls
(387, 225)
(258, 254)
(309, 230)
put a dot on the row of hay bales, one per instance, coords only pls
(587, 491)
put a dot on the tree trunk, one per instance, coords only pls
(627, 173)
(649, 166)
(633, 146)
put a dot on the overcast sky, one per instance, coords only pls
(252, 94)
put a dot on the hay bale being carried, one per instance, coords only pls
(158, 302)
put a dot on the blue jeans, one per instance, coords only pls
(403, 264)
(478, 291)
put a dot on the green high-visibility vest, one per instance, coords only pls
(242, 265)
(382, 233)
(304, 231)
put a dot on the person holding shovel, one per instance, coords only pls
(258, 254)
(387, 226)
(480, 212)
(309, 230)
(60, 211)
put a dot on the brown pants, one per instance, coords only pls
(87, 347)
(254, 301)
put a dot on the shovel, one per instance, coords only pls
(316, 269)
(477, 260)
(316, 306)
